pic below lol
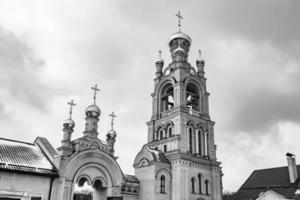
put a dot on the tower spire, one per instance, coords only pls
(179, 20)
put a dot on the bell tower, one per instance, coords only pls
(181, 129)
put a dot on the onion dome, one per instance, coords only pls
(92, 111)
(180, 35)
(69, 124)
(112, 133)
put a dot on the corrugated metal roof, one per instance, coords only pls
(24, 157)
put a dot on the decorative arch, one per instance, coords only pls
(82, 179)
(169, 79)
(94, 165)
(164, 171)
(191, 124)
(159, 132)
(103, 181)
(143, 162)
(169, 128)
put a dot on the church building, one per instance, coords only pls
(178, 162)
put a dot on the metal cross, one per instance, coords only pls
(96, 89)
(112, 115)
(179, 20)
(159, 54)
(71, 103)
(199, 53)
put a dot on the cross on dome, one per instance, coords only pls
(71, 103)
(112, 115)
(96, 89)
(159, 54)
(179, 20)
(199, 51)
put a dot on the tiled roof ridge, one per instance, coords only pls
(272, 168)
(18, 141)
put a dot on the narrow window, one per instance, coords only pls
(162, 184)
(200, 183)
(161, 133)
(170, 131)
(206, 187)
(165, 148)
(191, 140)
(193, 185)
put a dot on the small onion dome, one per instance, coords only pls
(112, 133)
(69, 123)
(180, 35)
(92, 111)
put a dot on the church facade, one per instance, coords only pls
(178, 162)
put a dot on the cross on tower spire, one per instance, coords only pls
(112, 115)
(159, 54)
(71, 103)
(179, 20)
(200, 52)
(96, 89)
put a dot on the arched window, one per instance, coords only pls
(191, 140)
(192, 96)
(193, 185)
(160, 132)
(206, 187)
(200, 183)
(167, 97)
(169, 130)
(162, 184)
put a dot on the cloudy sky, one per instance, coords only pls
(54, 51)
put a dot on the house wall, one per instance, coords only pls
(270, 196)
(24, 186)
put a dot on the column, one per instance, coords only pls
(197, 141)
(187, 139)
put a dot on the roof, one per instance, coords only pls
(275, 179)
(24, 158)
(130, 179)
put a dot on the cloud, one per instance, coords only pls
(53, 51)
(20, 72)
